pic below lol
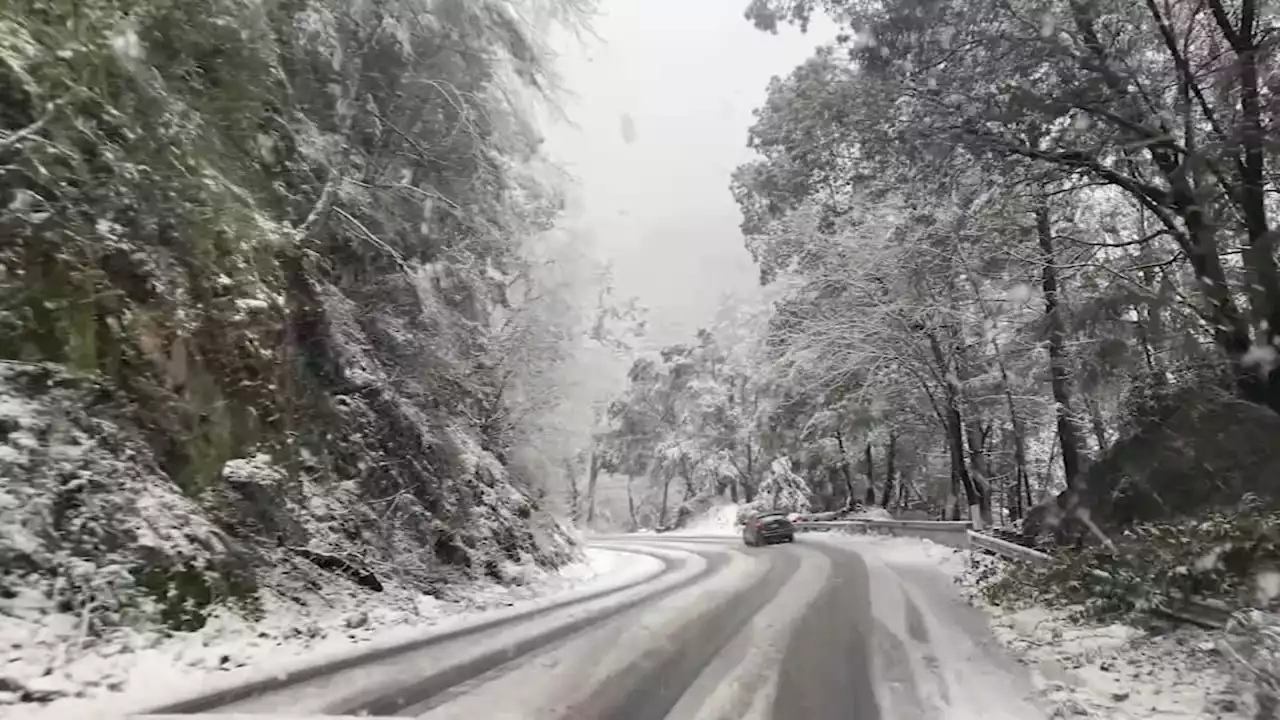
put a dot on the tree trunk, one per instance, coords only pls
(974, 437)
(572, 476)
(889, 452)
(1013, 491)
(1021, 480)
(960, 479)
(1060, 380)
(592, 478)
(870, 498)
(749, 485)
(979, 470)
(1019, 442)
(631, 503)
(1263, 288)
(846, 472)
(1046, 475)
(1098, 425)
(1150, 314)
(666, 491)
(960, 470)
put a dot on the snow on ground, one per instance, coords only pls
(871, 513)
(1115, 671)
(718, 520)
(46, 655)
(1086, 670)
(913, 551)
(937, 657)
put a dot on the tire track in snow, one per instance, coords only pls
(819, 629)
(662, 675)
(942, 663)
(519, 642)
(742, 682)
(827, 672)
(583, 676)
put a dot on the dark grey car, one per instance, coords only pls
(768, 528)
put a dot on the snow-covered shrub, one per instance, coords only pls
(781, 490)
(1227, 556)
(88, 520)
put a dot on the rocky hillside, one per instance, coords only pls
(251, 256)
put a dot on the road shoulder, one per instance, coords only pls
(139, 669)
(1114, 671)
(937, 657)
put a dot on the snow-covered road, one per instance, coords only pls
(822, 628)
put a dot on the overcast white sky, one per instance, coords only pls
(688, 73)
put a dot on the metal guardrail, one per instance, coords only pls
(954, 534)
(1006, 549)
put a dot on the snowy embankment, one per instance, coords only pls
(717, 520)
(47, 655)
(1088, 670)
(1116, 671)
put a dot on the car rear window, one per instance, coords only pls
(773, 516)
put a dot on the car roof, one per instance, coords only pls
(771, 513)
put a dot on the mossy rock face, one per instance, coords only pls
(177, 311)
(1202, 450)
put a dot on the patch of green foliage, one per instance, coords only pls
(185, 595)
(1154, 566)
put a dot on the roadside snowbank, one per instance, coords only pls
(717, 520)
(47, 656)
(1115, 671)
(913, 551)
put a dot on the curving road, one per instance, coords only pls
(819, 629)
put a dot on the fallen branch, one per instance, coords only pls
(318, 212)
(10, 140)
(376, 241)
